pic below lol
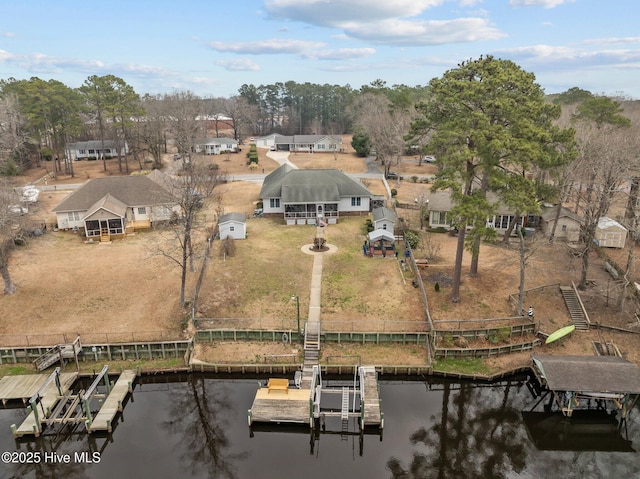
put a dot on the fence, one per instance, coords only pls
(104, 352)
(484, 352)
(378, 325)
(326, 336)
(15, 340)
(504, 332)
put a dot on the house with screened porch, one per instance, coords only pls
(109, 208)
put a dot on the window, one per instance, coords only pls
(384, 226)
(355, 201)
(274, 202)
(232, 228)
(564, 227)
(92, 152)
(320, 146)
(74, 216)
(142, 210)
(439, 218)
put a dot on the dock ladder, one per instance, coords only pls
(344, 413)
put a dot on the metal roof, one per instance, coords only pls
(610, 374)
(383, 213)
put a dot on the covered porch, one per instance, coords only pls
(310, 213)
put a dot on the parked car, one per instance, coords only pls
(392, 176)
(429, 159)
(273, 148)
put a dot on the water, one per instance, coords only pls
(196, 427)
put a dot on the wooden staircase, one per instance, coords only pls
(576, 309)
(57, 353)
(311, 351)
(104, 235)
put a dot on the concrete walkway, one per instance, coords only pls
(312, 328)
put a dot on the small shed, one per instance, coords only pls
(610, 233)
(569, 223)
(384, 219)
(233, 225)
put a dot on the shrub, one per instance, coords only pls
(412, 238)
(394, 192)
(414, 179)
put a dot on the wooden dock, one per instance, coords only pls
(279, 406)
(26, 385)
(276, 404)
(48, 398)
(113, 403)
(370, 397)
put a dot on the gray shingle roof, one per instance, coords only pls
(300, 186)
(297, 139)
(383, 213)
(238, 217)
(130, 190)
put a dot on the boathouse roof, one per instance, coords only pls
(610, 374)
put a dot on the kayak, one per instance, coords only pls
(560, 333)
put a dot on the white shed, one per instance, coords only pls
(610, 233)
(233, 225)
(383, 219)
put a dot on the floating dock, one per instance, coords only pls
(113, 403)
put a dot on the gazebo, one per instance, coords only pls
(380, 242)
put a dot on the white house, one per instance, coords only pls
(216, 146)
(309, 143)
(111, 207)
(610, 233)
(232, 225)
(267, 141)
(312, 196)
(95, 149)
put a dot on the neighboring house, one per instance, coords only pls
(232, 225)
(269, 140)
(311, 196)
(384, 219)
(440, 205)
(569, 224)
(610, 233)
(111, 207)
(95, 149)
(216, 146)
(308, 143)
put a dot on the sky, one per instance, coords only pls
(213, 47)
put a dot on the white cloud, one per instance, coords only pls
(432, 32)
(7, 34)
(334, 12)
(538, 3)
(240, 64)
(547, 57)
(272, 46)
(339, 54)
(612, 40)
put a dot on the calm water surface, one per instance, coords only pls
(196, 427)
